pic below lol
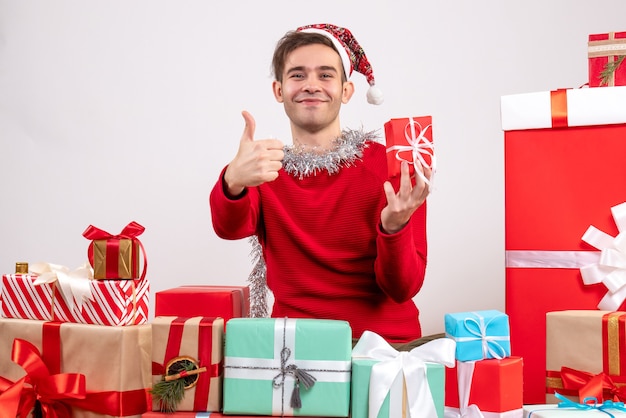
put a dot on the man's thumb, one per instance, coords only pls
(248, 130)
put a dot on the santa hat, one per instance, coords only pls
(351, 53)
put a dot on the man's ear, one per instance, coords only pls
(277, 88)
(348, 91)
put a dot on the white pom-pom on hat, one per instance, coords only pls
(352, 55)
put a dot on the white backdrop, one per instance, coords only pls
(113, 111)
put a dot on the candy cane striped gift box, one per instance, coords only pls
(102, 302)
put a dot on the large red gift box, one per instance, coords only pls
(111, 302)
(211, 301)
(410, 140)
(496, 385)
(607, 49)
(199, 340)
(564, 171)
(96, 371)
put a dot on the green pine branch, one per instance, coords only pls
(609, 70)
(170, 393)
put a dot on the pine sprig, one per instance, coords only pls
(609, 70)
(169, 393)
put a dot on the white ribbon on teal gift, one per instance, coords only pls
(419, 145)
(478, 327)
(610, 269)
(74, 286)
(410, 364)
(278, 371)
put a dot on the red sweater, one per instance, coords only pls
(325, 252)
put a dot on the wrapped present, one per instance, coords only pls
(387, 383)
(586, 355)
(52, 292)
(492, 386)
(568, 409)
(410, 140)
(116, 256)
(563, 108)
(180, 346)
(281, 366)
(607, 53)
(211, 301)
(544, 177)
(92, 370)
(479, 335)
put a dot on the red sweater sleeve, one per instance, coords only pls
(400, 265)
(233, 217)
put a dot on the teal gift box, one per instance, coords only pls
(395, 401)
(479, 335)
(287, 367)
(388, 383)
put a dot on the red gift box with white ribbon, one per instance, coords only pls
(606, 55)
(564, 171)
(411, 140)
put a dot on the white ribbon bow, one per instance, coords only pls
(611, 267)
(411, 364)
(465, 373)
(418, 146)
(74, 286)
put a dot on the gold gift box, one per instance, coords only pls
(127, 259)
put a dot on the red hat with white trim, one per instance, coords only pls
(351, 53)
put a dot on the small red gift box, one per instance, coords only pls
(563, 172)
(410, 140)
(116, 256)
(211, 301)
(199, 340)
(604, 51)
(496, 385)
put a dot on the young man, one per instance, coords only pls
(339, 240)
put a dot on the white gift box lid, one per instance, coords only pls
(585, 107)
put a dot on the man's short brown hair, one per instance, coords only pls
(293, 40)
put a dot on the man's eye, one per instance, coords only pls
(297, 75)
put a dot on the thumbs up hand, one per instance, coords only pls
(256, 162)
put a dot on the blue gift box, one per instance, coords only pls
(479, 335)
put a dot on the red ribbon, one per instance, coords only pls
(600, 386)
(558, 106)
(53, 391)
(130, 231)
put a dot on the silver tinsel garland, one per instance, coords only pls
(301, 161)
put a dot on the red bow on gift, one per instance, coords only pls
(18, 399)
(57, 393)
(130, 231)
(590, 385)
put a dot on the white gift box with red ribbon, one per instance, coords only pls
(52, 292)
(563, 108)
